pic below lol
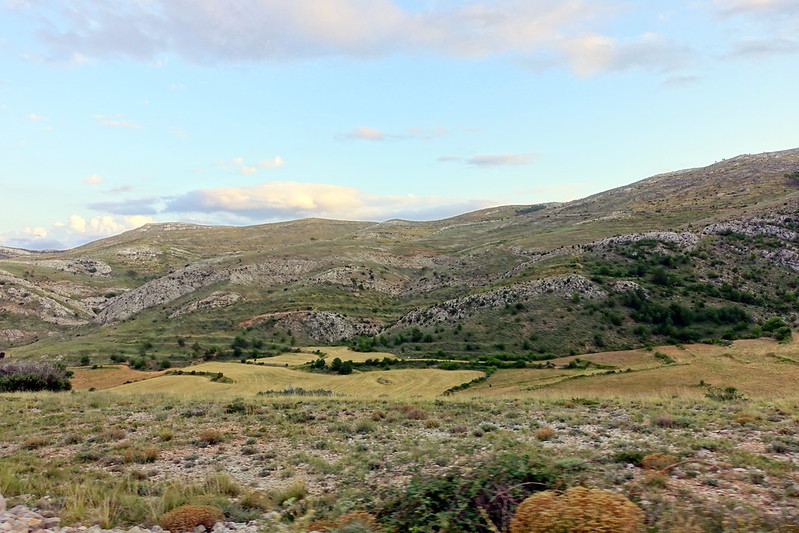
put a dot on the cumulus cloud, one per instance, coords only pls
(37, 232)
(488, 161)
(258, 30)
(94, 179)
(102, 226)
(289, 200)
(34, 117)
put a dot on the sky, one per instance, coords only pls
(118, 113)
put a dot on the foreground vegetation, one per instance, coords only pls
(724, 464)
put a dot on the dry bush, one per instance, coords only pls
(658, 461)
(35, 442)
(111, 434)
(136, 455)
(378, 415)
(321, 525)
(578, 510)
(211, 436)
(413, 413)
(545, 433)
(359, 518)
(188, 517)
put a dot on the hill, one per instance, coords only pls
(704, 254)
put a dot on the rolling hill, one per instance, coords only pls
(701, 254)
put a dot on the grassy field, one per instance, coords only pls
(115, 458)
(331, 352)
(251, 379)
(758, 368)
(106, 377)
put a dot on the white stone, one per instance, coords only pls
(2, 503)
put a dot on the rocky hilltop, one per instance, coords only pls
(627, 266)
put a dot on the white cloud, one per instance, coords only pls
(259, 30)
(104, 225)
(37, 232)
(271, 163)
(94, 179)
(744, 7)
(238, 164)
(487, 161)
(364, 133)
(594, 54)
(34, 117)
(117, 121)
(289, 200)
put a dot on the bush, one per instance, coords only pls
(457, 500)
(188, 517)
(33, 376)
(578, 510)
(658, 461)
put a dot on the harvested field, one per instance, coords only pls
(251, 379)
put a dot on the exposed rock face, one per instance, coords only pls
(752, 228)
(460, 308)
(139, 253)
(22, 297)
(623, 286)
(89, 267)
(216, 300)
(12, 337)
(684, 240)
(6, 252)
(321, 326)
(163, 290)
(200, 275)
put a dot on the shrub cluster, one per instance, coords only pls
(33, 376)
(188, 517)
(578, 510)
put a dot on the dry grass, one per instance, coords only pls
(757, 368)
(107, 377)
(251, 379)
(307, 356)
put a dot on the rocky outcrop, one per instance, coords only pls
(623, 285)
(216, 300)
(81, 266)
(163, 290)
(6, 252)
(752, 228)
(461, 308)
(321, 326)
(685, 240)
(199, 275)
(139, 253)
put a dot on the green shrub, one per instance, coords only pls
(33, 376)
(452, 502)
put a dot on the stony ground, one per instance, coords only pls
(723, 465)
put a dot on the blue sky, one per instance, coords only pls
(115, 113)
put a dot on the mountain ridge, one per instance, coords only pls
(669, 235)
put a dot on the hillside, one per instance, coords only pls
(700, 254)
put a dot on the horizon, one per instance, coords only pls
(115, 116)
